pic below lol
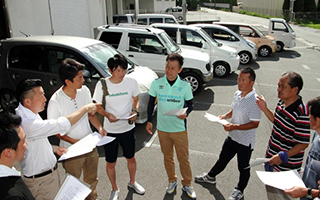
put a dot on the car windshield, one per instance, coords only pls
(169, 43)
(257, 30)
(209, 39)
(100, 54)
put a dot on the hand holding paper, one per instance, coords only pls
(214, 118)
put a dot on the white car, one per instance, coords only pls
(247, 50)
(223, 58)
(147, 19)
(150, 47)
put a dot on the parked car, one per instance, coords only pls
(123, 18)
(266, 44)
(223, 58)
(246, 49)
(147, 19)
(150, 47)
(177, 12)
(40, 57)
(282, 32)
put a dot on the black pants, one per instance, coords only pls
(229, 149)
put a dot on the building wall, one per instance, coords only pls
(162, 5)
(270, 7)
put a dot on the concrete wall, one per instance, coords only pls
(162, 5)
(270, 7)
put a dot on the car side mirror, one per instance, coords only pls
(164, 51)
(87, 76)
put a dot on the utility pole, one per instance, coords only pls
(184, 11)
(291, 9)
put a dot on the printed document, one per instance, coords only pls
(281, 180)
(214, 118)
(103, 140)
(176, 112)
(258, 161)
(72, 189)
(127, 116)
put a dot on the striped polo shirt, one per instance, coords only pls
(244, 110)
(291, 126)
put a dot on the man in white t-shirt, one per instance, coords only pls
(68, 99)
(122, 102)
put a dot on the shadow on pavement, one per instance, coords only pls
(213, 190)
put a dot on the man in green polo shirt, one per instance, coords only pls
(173, 93)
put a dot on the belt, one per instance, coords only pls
(43, 173)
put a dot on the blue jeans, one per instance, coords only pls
(229, 149)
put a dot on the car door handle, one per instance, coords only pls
(15, 76)
(131, 56)
(53, 82)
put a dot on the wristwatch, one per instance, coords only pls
(138, 113)
(309, 195)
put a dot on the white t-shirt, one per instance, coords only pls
(118, 102)
(61, 104)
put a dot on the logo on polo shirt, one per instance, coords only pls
(169, 98)
(161, 87)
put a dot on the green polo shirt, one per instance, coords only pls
(170, 98)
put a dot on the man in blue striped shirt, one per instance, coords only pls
(291, 129)
(245, 117)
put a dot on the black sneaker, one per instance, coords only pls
(205, 178)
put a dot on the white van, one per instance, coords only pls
(177, 12)
(282, 32)
(223, 58)
(150, 47)
(147, 19)
(247, 50)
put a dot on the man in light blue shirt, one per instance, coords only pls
(173, 94)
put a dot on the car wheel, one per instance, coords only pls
(8, 101)
(245, 57)
(221, 69)
(264, 51)
(194, 80)
(280, 46)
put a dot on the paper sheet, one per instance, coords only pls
(258, 161)
(281, 180)
(72, 189)
(127, 116)
(214, 118)
(176, 112)
(83, 146)
(103, 140)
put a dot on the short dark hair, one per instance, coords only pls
(69, 69)
(177, 57)
(25, 86)
(314, 107)
(295, 80)
(117, 60)
(249, 70)
(9, 137)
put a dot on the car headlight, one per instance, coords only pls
(274, 42)
(143, 89)
(233, 54)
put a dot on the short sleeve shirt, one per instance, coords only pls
(291, 126)
(244, 110)
(170, 98)
(118, 102)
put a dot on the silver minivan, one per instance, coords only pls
(246, 49)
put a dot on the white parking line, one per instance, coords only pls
(318, 79)
(306, 67)
(149, 143)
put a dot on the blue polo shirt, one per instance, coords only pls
(170, 98)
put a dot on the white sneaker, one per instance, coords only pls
(236, 195)
(171, 187)
(190, 192)
(114, 195)
(137, 187)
